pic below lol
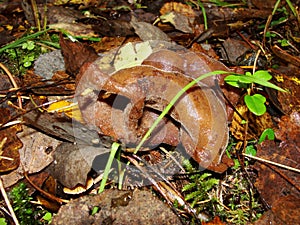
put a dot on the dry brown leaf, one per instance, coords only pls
(10, 143)
(75, 55)
(73, 163)
(33, 155)
(280, 187)
(146, 31)
(178, 7)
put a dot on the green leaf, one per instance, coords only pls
(22, 40)
(30, 45)
(24, 45)
(256, 104)
(95, 210)
(250, 150)
(266, 133)
(192, 195)
(260, 78)
(47, 217)
(189, 186)
(113, 152)
(269, 34)
(237, 81)
(3, 221)
(27, 64)
(263, 74)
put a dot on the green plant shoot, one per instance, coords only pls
(114, 149)
(267, 133)
(256, 102)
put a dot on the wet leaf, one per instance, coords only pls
(280, 187)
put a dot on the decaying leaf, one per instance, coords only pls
(280, 187)
(178, 7)
(179, 21)
(180, 15)
(10, 143)
(72, 165)
(256, 124)
(33, 154)
(75, 55)
(78, 29)
(147, 31)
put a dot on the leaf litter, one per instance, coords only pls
(59, 124)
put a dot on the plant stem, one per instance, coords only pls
(172, 103)
(114, 149)
(23, 39)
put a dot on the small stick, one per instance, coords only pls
(273, 163)
(12, 80)
(10, 208)
(48, 195)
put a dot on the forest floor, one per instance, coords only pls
(150, 112)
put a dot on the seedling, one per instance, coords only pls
(256, 102)
(267, 133)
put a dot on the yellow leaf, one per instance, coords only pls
(70, 109)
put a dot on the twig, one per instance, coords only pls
(10, 208)
(255, 61)
(12, 80)
(48, 195)
(36, 14)
(272, 163)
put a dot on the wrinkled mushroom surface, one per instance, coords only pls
(124, 104)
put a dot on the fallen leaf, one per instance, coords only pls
(33, 154)
(75, 55)
(234, 49)
(10, 143)
(179, 21)
(75, 29)
(256, 124)
(280, 187)
(178, 7)
(73, 163)
(147, 31)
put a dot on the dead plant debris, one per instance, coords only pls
(80, 77)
